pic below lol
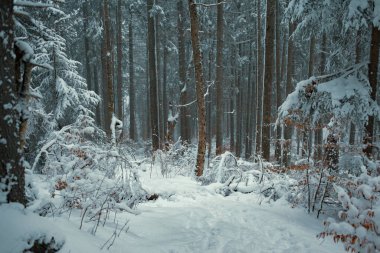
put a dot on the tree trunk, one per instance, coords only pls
(108, 64)
(249, 104)
(209, 101)
(152, 78)
(372, 78)
(11, 167)
(199, 80)
(318, 145)
(219, 77)
(289, 88)
(157, 36)
(268, 76)
(279, 90)
(85, 11)
(239, 106)
(232, 110)
(357, 61)
(119, 62)
(24, 99)
(96, 89)
(164, 89)
(310, 72)
(132, 93)
(185, 127)
(259, 82)
(311, 56)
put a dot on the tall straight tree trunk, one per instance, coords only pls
(239, 107)
(249, 103)
(219, 77)
(11, 167)
(310, 71)
(119, 62)
(306, 130)
(157, 37)
(85, 13)
(108, 75)
(268, 76)
(232, 111)
(209, 101)
(96, 89)
(24, 102)
(357, 60)
(148, 128)
(185, 126)
(319, 129)
(102, 87)
(152, 78)
(259, 81)
(199, 80)
(278, 80)
(289, 88)
(132, 93)
(372, 78)
(165, 104)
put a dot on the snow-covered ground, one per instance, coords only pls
(187, 218)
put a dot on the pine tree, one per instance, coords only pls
(199, 80)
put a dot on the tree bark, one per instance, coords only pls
(132, 93)
(199, 80)
(357, 61)
(318, 145)
(259, 82)
(239, 107)
(249, 104)
(185, 127)
(119, 62)
(372, 78)
(289, 88)
(152, 78)
(278, 80)
(109, 66)
(311, 56)
(96, 89)
(12, 172)
(268, 76)
(219, 77)
(164, 89)
(85, 12)
(24, 100)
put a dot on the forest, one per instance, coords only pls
(189, 126)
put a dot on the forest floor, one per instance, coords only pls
(187, 217)
(193, 218)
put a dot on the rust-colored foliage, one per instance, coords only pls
(60, 185)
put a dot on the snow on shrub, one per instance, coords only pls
(246, 177)
(95, 177)
(176, 159)
(358, 228)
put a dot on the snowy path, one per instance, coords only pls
(187, 218)
(193, 218)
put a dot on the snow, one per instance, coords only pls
(193, 218)
(187, 217)
(376, 13)
(171, 117)
(355, 18)
(116, 125)
(31, 4)
(7, 106)
(184, 89)
(27, 50)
